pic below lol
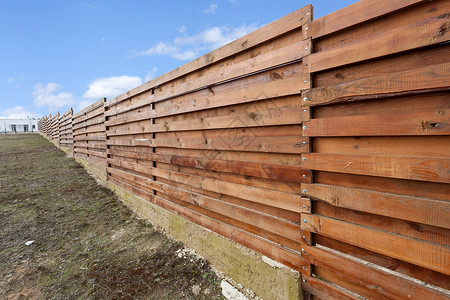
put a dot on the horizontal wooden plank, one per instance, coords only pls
(325, 290)
(435, 122)
(93, 106)
(430, 146)
(357, 13)
(433, 77)
(269, 171)
(291, 188)
(278, 116)
(424, 254)
(231, 71)
(276, 212)
(381, 280)
(283, 255)
(264, 196)
(264, 221)
(433, 169)
(280, 144)
(91, 144)
(429, 233)
(289, 80)
(418, 33)
(90, 152)
(101, 137)
(92, 129)
(94, 120)
(281, 26)
(415, 209)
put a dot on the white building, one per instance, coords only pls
(18, 125)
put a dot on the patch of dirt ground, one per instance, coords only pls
(87, 244)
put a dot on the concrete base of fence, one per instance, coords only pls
(97, 170)
(266, 278)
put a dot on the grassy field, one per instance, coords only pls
(87, 244)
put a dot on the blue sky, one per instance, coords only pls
(60, 54)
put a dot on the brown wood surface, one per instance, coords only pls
(424, 189)
(268, 197)
(283, 116)
(266, 222)
(361, 11)
(380, 280)
(433, 77)
(325, 290)
(413, 168)
(425, 254)
(420, 210)
(427, 122)
(390, 263)
(418, 33)
(269, 171)
(429, 233)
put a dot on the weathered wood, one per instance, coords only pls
(263, 221)
(418, 123)
(428, 255)
(381, 280)
(406, 82)
(264, 196)
(430, 146)
(284, 116)
(420, 210)
(90, 152)
(268, 171)
(290, 144)
(231, 71)
(415, 168)
(419, 33)
(324, 290)
(280, 82)
(361, 11)
(423, 189)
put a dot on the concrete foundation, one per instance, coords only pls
(97, 170)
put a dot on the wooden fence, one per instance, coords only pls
(65, 129)
(54, 128)
(379, 122)
(322, 144)
(90, 138)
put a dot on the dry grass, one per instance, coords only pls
(87, 243)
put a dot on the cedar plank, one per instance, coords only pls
(425, 254)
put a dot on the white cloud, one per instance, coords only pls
(111, 86)
(47, 96)
(212, 9)
(182, 29)
(17, 112)
(12, 79)
(160, 49)
(102, 39)
(188, 47)
(151, 74)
